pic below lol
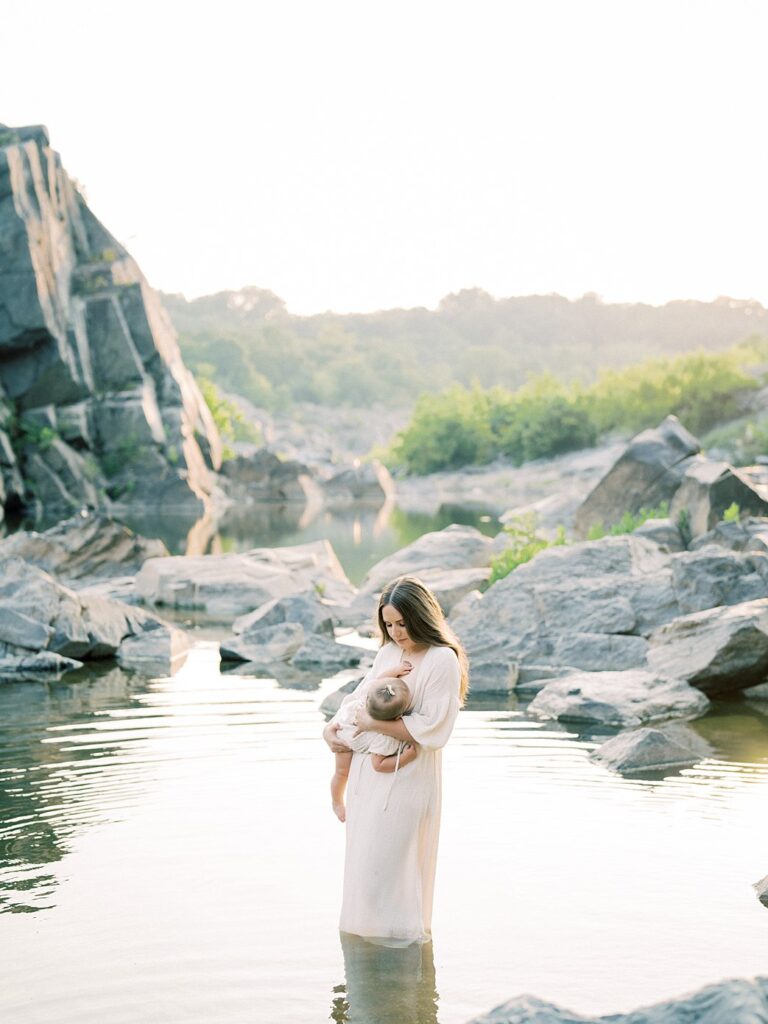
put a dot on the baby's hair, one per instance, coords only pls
(388, 700)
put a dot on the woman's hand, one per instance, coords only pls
(329, 735)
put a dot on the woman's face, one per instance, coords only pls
(395, 626)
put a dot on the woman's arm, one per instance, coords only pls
(387, 762)
(394, 728)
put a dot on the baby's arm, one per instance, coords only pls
(386, 763)
(395, 673)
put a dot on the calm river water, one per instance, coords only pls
(169, 855)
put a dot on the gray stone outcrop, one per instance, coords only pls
(368, 483)
(647, 473)
(226, 586)
(262, 477)
(96, 405)
(674, 745)
(761, 888)
(313, 612)
(736, 1001)
(595, 606)
(718, 650)
(42, 621)
(455, 547)
(87, 547)
(708, 489)
(626, 698)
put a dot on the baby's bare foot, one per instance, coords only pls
(339, 810)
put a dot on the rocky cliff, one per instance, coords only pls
(96, 405)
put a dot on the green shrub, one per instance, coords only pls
(629, 522)
(732, 514)
(524, 544)
(229, 420)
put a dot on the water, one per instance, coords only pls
(168, 853)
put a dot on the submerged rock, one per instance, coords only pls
(628, 698)
(331, 704)
(323, 655)
(737, 1001)
(646, 749)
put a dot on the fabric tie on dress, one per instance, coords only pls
(394, 774)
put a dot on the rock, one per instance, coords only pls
(719, 650)
(663, 532)
(648, 749)
(83, 547)
(738, 1001)
(708, 489)
(308, 609)
(648, 472)
(263, 477)
(759, 692)
(735, 536)
(466, 605)
(226, 586)
(455, 547)
(160, 651)
(626, 698)
(331, 704)
(88, 356)
(40, 617)
(322, 655)
(711, 576)
(367, 483)
(582, 606)
(21, 663)
(451, 586)
(761, 888)
(265, 645)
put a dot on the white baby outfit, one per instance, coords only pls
(365, 742)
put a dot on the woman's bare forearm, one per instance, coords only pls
(388, 762)
(394, 728)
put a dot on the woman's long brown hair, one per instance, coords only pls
(424, 620)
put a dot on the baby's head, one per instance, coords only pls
(388, 700)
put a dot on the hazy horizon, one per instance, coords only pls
(369, 157)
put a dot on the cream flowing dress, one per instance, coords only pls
(393, 819)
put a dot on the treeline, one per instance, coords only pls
(546, 417)
(256, 348)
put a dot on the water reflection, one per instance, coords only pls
(385, 985)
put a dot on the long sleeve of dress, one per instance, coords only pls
(432, 724)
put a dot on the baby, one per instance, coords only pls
(388, 698)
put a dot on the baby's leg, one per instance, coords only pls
(339, 783)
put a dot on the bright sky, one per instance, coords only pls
(364, 154)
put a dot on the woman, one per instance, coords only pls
(393, 817)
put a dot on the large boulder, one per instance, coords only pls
(674, 745)
(737, 1001)
(708, 489)
(711, 576)
(42, 621)
(627, 698)
(367, 483)
(719, 650)
(313, 612)
(226, 586)
(455, 547)
(648, 472)
(264, 645)
(263, 477)
(83, 547)
(761, 888)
